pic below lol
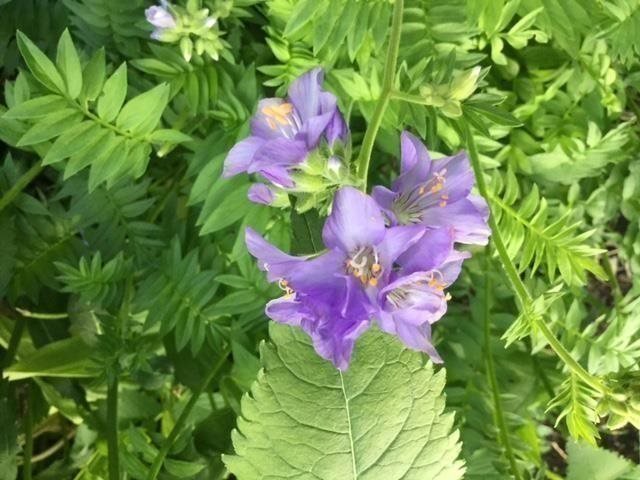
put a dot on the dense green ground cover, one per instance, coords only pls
(133, 334)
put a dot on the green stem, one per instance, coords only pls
(14, 342)
(407, 97)
(387, 86)
(28, 434)
(493, 380)
(518, 286)
(20, 185)
(112, 429)
(182, 419)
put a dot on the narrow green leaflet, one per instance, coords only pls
(70, 357)
(69, 64)
(381, 419)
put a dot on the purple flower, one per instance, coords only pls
(333, 296)
(260, 193)
(410, 304)
(160, 16)
(435, 193)
(285, 131)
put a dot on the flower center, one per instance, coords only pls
(364, 264)
(282, 117)
(409, 206)
(412, 293)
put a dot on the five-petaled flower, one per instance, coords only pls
(395, 275)
(285, 131)
(435, 193)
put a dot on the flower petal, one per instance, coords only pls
(415, 337)
(305, 92)
(315, 127)
(241, 156)
(159, 17)
(271, 259)
(260, 193)
(467, 218)
(355, 221)
(396, 241)
(415, 163)
(459, 178)
(287, 310)
(385, 198)
(429, 252)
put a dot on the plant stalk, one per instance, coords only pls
(364, 159)
(112, 429)
(28, 434)
(493, 380)
(182, 419)
(14, 342)
(20, 185)
(518, 286)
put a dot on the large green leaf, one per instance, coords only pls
(381, 419)
(593, 463)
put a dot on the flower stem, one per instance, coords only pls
(387, 87)
(493, 379)
(28, 436)
(20, 185)
(112, 429)
(518, 286)
(14, 342)
(182, 419)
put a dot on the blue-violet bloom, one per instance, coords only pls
(161, 18)
(334, 296)
(285, 131)
(435, 193)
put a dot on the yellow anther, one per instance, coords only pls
(278, 114)
(447, 297)
(436, 188)
(373, 282)
(376, 267)
(443, 203)
(421, 191)
(444, 196)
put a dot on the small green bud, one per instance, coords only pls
(186, 47)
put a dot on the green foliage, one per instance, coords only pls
(353, 437)
(586, 461)
(122, 252)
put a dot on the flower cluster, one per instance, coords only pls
(192, 27)
(297, 145)
(389, 257)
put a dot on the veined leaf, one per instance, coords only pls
(381, 419)
(69, 64)
(50, 127)
(70, 357)
(93, 75)
(42, 68)
(113, 94)
(37, 107)
(141, 114)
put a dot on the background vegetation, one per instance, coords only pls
(131, 313)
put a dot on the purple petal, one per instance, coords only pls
(429, 252)
(355, 221)
(260, 193)
(271, 259)
(385, 198)
(274, 157)
(417, 294)
(451, 267)
(467, 218)
(415, 163)
(337, 129)
(159, 17)
(458, 174)
(396, 241)
(335, 339)
(241, 155)
(415, 337)
(287, 310)
(315, 127)
(305, 91)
